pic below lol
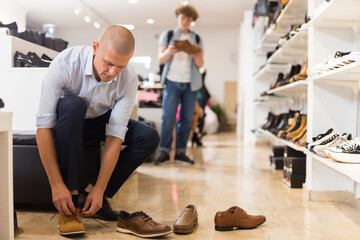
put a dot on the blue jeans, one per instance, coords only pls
(174, 94)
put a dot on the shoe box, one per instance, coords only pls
(277, 157)
(294, 171)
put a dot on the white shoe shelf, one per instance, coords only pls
(333, 96)
(21, 86)
(332, 99)
(293, 13)
(293, 52)
(279, 141)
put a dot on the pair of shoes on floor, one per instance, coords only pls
(141, 225)
(164, 157)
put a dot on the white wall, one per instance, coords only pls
(10, 13)
(220, 47)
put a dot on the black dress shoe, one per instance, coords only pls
(12, 27)
(105, 213)
(1, 103)
(29, 60)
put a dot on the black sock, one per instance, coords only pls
(75, 200)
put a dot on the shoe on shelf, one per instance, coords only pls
(320, 138)
(71, 225)
(182, 158)
(320, 149)
(141, 225)
(186, 46)
(348, 152)
(163, 157)
(13, 28)
(236, 218)
(105, 213)
(187, 221)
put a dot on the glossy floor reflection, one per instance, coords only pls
(226, 174)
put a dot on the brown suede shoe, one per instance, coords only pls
(186, 46)
(141, 225)
(71, 225)
(235, 218)
(187, 221)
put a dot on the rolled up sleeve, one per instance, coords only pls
(51, 91)
(123, 108)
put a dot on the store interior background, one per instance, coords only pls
(219, 26)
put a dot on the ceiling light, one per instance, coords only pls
(150, 21)
(192, 24)
(185, 3)
(77, 11)
(97, 25)
(87, 19)
(133, 1)
(128, 26)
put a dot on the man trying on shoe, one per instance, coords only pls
(90, 92)
(182, 79)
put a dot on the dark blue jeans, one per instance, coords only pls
(174, 94)
(141, 141)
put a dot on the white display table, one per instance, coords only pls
(6, 177)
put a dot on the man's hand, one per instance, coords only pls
(62, 199)
(172, 50)
(93, 203)
(198, 58)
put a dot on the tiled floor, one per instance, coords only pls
(226, 173)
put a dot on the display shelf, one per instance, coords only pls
(293, 13)
(294, 50)
(269, 99)
(281, 141)
(295, 88)
(337, 13)
(269, 71)
(350, 72)
(348, 169)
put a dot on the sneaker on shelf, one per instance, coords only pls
(164, 157)
(71, 225)
(182, 158)
(322, 138)
(328, 64)
(348, 152)
(320, 149)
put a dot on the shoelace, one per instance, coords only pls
(144, 216)
(347, 145)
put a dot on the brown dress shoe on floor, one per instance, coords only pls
(187, 221)
(236, 218)
(141, 225)
(186, 46)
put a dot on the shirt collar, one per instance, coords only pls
(89, 70)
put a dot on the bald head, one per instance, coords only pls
(118, 38)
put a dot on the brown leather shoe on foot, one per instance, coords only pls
(187, 221)
(236, 218)
(141, 225)
(71, 225)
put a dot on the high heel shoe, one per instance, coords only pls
(196, 140)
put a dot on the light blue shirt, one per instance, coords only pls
(196, 81)
(71, 73)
